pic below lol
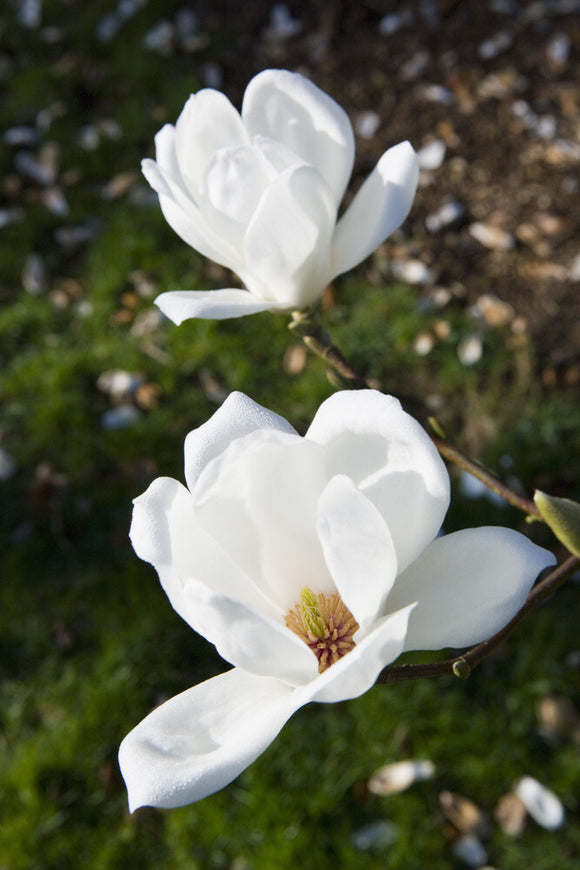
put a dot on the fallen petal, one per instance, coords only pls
(396, 777)
(542, 804)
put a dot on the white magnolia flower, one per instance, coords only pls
(259, 193)
(311, 563)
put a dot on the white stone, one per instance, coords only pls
(542, 804)
(396, 777)
(367, 124)
(470, 350)
(431, 156)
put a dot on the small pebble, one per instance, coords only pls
(120, 418)
(424, 343)
(431, 156)
(29, 13)
(437, 94)
(282, 25)
(411, 271)
(20, 137)
(377, 835)
(399, 776)
(491, 237)
(389, 24)
(558, 49)
(7, 465)
(34, 277)
(494, 311)
(416, 65)
(10, 216)
(463, 814)
(54, 200)
(470, 350)
(510, 814)
(160, 37)
(494, 46)
(212, 75)
(449, 213)
(367, 124)
(470, 850)
(542, 804)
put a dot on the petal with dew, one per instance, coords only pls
(387, 454)
(180, 305)
(199, 741)
(358, 549)
(467, 586)
(288, 108)
(238, 416)
(380, 206)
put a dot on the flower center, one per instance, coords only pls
(325, 624)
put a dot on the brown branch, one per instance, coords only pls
(452, 454)
(462, 665)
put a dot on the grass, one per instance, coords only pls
(89, 642)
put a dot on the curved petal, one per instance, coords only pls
(199, 741)
(368, 437)
(358, 549)
(166, 532)
(356, 672)
(238, 416)
(258, 500)
(380, 206)
(165, 155)
(182, 213)
(467, 586)
(207, 123)
(246, 637)
(287, 242)
(180, 305)
(289, 108)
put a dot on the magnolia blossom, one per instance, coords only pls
(311, 563)
(259, 192)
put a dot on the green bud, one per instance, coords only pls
(311, 614)
(563, 517)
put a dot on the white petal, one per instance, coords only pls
(207, 123)
(184, 217)
(166, 532)
(380, 206)
(258, 500)
(290, 109)
(238, 416)
(358, 549)
(358, 670)
(467, 586)
(165, 154)
(199, 741)
(247, 637)
(287, 243)
(180, 305)
(368, 437)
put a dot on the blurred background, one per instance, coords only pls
(469, 312)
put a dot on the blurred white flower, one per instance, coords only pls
(259, 193)
(311, 563)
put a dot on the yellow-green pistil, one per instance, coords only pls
(325, 624)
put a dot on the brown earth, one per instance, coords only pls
(497, 83)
